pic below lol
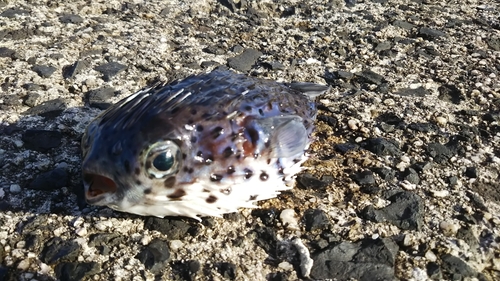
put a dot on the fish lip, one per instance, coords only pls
(98, 187)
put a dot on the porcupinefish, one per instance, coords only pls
(202, 146)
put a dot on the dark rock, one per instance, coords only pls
(455, 266)
(213, 50)
(345, 74)
(308, 181)
(155, 255)
(32, 99)
(244, 61)
(105, 241)
(41, 140)
(387, 127)
(48, 109)
(186, 270)
(267, 216)
(371, 77)
(434, 271)
(466, 234)
(391, 119)
(471, 172)
(424, 127)
(99, 98)
(70, 71)
(403, 24)
(453, 180)
(430, 33)
(50, 180)
(266, 239)
(173, 228)
(11, 100)
(32, 87)
(57, 250)
(493, 43)
(315, 219)
(208, 63)
(331, 121)
(476, 200)
(43, 71)
(364, 178)
(365, 260)
(6, 52)
(440, 153)
(405, 211)
(278, 276)
(74, 271)
(383, 46)
(346, 147)
(110, 69)
(411, 176)
(491, 117)
(227, 270)
(237, 49)
(418, 92)
(70, 18)
(274, 65)
(2, 253)
(370, 189)
(13, 12)
(450, 93)
(382, 147)
(422, 166)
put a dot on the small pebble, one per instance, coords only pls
(440, 193)
(449, 228)
(176, 244)
(15, 188)
(288, 218)
(82, 231)
(353, 124)
(286, 266)
(389, 102)
(430, 256)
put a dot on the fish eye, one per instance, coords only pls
(163, 159)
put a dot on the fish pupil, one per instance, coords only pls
(164, 161)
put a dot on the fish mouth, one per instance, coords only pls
(97, 187)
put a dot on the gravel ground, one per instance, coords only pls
(404, 179)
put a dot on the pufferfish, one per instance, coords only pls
(202, 146)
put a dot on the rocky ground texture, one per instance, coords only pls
(404, 178)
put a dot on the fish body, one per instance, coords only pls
(202, 146)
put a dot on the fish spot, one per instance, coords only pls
(264, 176)
(177, 194)
(295, 161)
(174, 110)
(228, 151)
(137, 171)
(261, 112)
(226, 191)
(217, 131)
(216, 177)
(209, 160)
(138, 182)
(230, 170)
(193, 139)
(126, 165)
(188, 170)
(248, 173)
(169, 182)
(199, 128)
(193, 111)
(148, 191)
(247, 108)
(184, 156)
(253, 197)
(211, 199)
